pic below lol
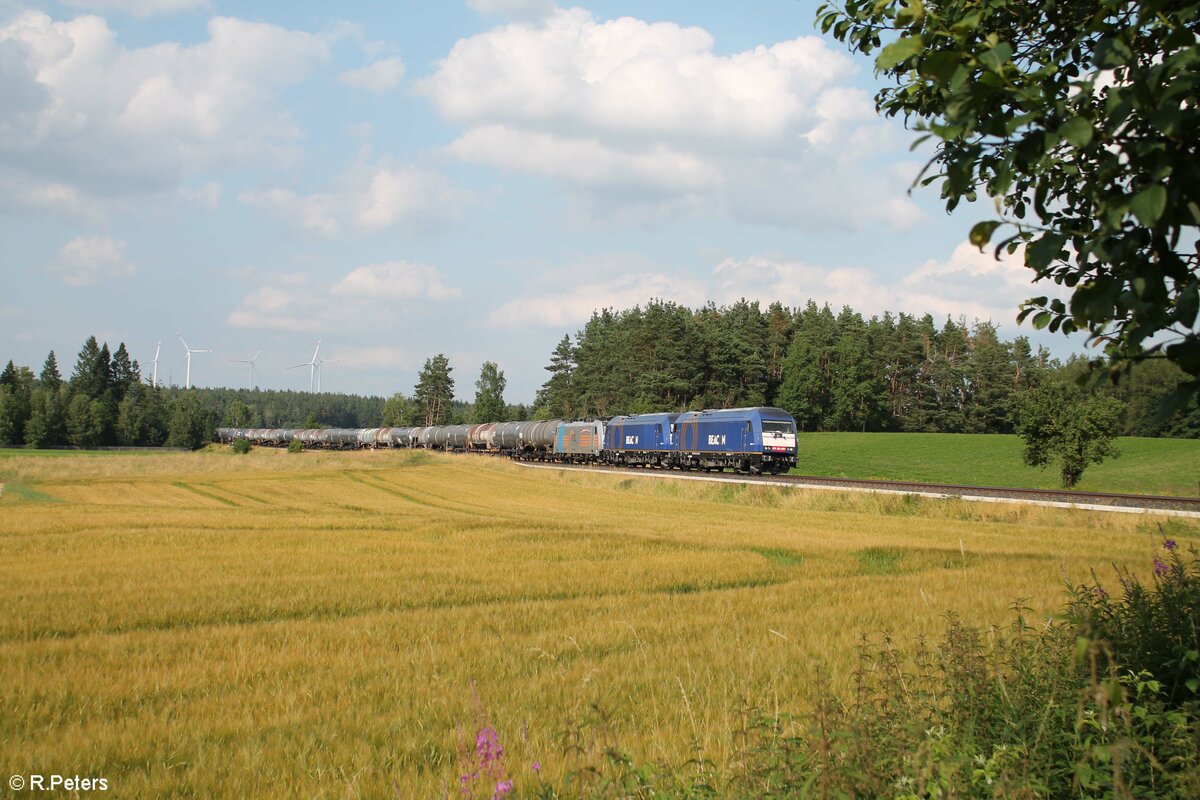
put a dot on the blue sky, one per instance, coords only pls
(401, 179)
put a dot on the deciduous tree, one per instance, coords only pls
(1058, 424)
(1078, 117)
(489, 394)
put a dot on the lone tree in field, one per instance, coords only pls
(489, 394)
(1079, 118)
(1058, 424)
(434, 390)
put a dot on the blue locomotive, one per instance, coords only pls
(755, 440)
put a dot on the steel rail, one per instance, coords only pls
(1055, 497)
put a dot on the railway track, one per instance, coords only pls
(1097, 501)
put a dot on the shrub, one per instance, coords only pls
(295, 446)
(240, 446)
(1103, 701)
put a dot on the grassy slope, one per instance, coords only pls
(278, 625)
(1146, 466)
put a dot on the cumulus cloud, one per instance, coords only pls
(108, 121)
(378, 76)
(88, 260)
(140, 8)
(395, 280)
(967, 284)
(573, 306)
(367, 197)
(513, 9)
(208, 195)
(376, 358)
(652, 107)
(291, 302)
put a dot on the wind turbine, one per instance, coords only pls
(154, 363)
(251, 363)
(319, 363)
(187, 379)
(312, 366)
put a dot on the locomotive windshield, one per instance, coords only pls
(778, 427)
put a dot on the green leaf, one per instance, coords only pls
(912, 13)
(1040, 252)
(1077, 131)
(899, 51)
(997, 57)
(1187, 305)
(939, 65)
(982, 232)
(1149, 204)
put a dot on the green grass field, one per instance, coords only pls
(1146, 466)
(336, 625)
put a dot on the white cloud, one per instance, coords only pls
(372, 358)
(395, 280)
(108, 121)
(362, 297)
(969, 284)
(140, 8)
(650, 107)
(207, 195)
(576, 304)
(513, 9)
(378, 76)
(367, 197)
(584, 161)
(88, 260)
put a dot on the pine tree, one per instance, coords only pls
(123, 372)
(435, 390)
(808, 368)
(8, 417)
(51, 378)
(9, 376)
(554, 399)
(991, 378)
(90, 377)
(854, 389)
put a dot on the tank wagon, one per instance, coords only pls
(743, 439)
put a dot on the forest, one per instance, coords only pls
(832, 372)
(106, 403)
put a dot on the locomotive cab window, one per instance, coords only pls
(778, 427)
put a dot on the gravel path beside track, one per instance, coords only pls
(1092, 501)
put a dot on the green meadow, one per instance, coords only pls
(1146, 466)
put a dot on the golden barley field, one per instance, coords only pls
(331, 625)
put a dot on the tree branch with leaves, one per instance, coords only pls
(1079, 119)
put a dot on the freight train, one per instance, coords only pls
(755, 440)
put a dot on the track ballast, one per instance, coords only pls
(1175, 506)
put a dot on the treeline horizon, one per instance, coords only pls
(832, 372)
